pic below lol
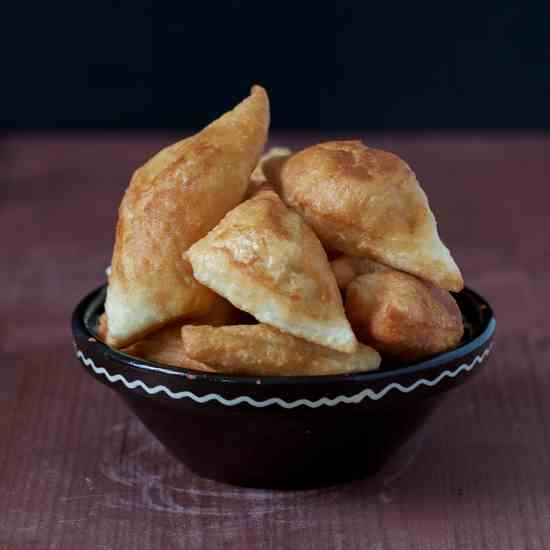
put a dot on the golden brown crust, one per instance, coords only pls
(222, 313)
(403, 317)
(347, 268)
(264, 259)
(101, 328)
(274, 157)
(173, 201)
(165, 347)
(367, 202)
(264, 350)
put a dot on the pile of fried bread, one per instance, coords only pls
(320, 261)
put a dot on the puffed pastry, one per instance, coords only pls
(101, 328)
(265, 260)
(171, 202)
(404, 318)
(222, 313)
(367, 202)
(347, 268)
(273, 157)
(264, 350)
(165, 346)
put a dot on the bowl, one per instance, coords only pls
(284, 432)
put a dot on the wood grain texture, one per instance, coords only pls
(77, 470)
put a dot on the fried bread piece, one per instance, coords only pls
(222, 313)
(367, 202)
(265, 260)
(264, 350)
(404, 318)
(165, 346)
(273, 157)
(101, 327)
(347, 268)
(171, 202)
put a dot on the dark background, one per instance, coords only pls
(327, 66)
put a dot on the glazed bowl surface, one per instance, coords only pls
(284, 432)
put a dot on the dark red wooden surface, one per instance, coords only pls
(77, 471)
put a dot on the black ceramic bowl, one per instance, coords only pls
(283, 431)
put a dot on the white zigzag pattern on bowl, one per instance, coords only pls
(324, 401)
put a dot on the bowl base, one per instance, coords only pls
(294, 450)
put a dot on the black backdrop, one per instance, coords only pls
(137, 64)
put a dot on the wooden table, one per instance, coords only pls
(78, 471)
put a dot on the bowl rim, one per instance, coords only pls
(90, 302)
